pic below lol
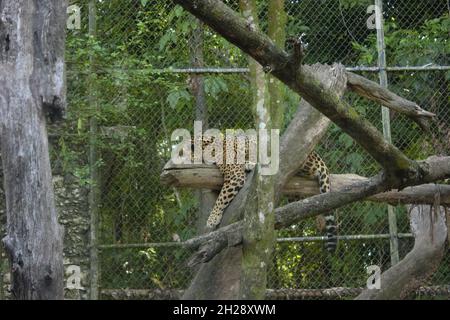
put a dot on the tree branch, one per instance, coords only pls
(325, 202)
(373, 91)
(209, 177)
(297, 54)
(432, 169)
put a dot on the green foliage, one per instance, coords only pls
(113, 80)
(425, 45)
(402, 45)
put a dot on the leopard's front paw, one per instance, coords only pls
(213, 221)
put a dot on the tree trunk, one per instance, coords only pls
(32, 84)
(220, 278)
(259, 234)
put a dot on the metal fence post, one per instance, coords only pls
(382, 73)
(93, 194)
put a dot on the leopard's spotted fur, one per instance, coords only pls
(234, 178)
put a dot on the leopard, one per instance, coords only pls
(234, 177)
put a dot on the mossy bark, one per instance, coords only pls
(259, 234)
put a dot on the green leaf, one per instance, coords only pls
(355, 160)
(346, 140)
(144, 2)
(178, 11)
(175, 97)
(163, 41)
(172, 99)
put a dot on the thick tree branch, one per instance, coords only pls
(373, 91)
(221, 271)
(209, 177)
(432, 169)
(315, 205)
(302, 80)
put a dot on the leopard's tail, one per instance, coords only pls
(331, 233)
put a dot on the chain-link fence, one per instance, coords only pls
(134, 71)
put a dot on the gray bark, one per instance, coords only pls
(32, 84)
(294, 150)
(220, 277)
(377, 93)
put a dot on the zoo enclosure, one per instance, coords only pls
(134, 73)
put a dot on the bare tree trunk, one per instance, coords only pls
(428, 225)
(32, 83)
